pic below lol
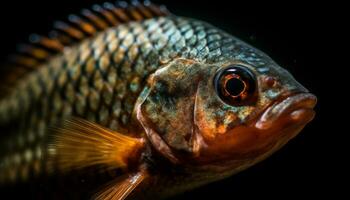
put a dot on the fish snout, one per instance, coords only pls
(296, 108)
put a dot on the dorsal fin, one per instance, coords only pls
(77, 28)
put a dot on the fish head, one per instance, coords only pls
(226, 113)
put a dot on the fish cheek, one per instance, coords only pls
(224, 128)
(211, 116)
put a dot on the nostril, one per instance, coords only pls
(270, 81)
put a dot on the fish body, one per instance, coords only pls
(155, 80)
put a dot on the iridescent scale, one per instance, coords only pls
(100, 79)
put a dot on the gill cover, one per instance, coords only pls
(167, 104)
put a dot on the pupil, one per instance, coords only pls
(234, 86)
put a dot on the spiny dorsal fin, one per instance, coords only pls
(77, 28)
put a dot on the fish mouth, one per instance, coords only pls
(296, 108)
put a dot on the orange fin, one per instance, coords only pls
(79, 143)
(75, 29)
(121, 188)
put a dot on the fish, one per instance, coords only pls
(129, 101)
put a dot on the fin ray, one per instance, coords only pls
(79, 143)
(121, 188)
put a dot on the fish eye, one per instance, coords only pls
(235, 85)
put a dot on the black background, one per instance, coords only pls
(292, 33)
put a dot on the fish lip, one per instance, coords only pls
(297, 106)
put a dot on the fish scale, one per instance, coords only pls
(100, 80)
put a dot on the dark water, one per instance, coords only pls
(290, 32)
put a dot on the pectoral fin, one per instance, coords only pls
(79, 143)
(120, 189)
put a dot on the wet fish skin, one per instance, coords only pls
(101, 79)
